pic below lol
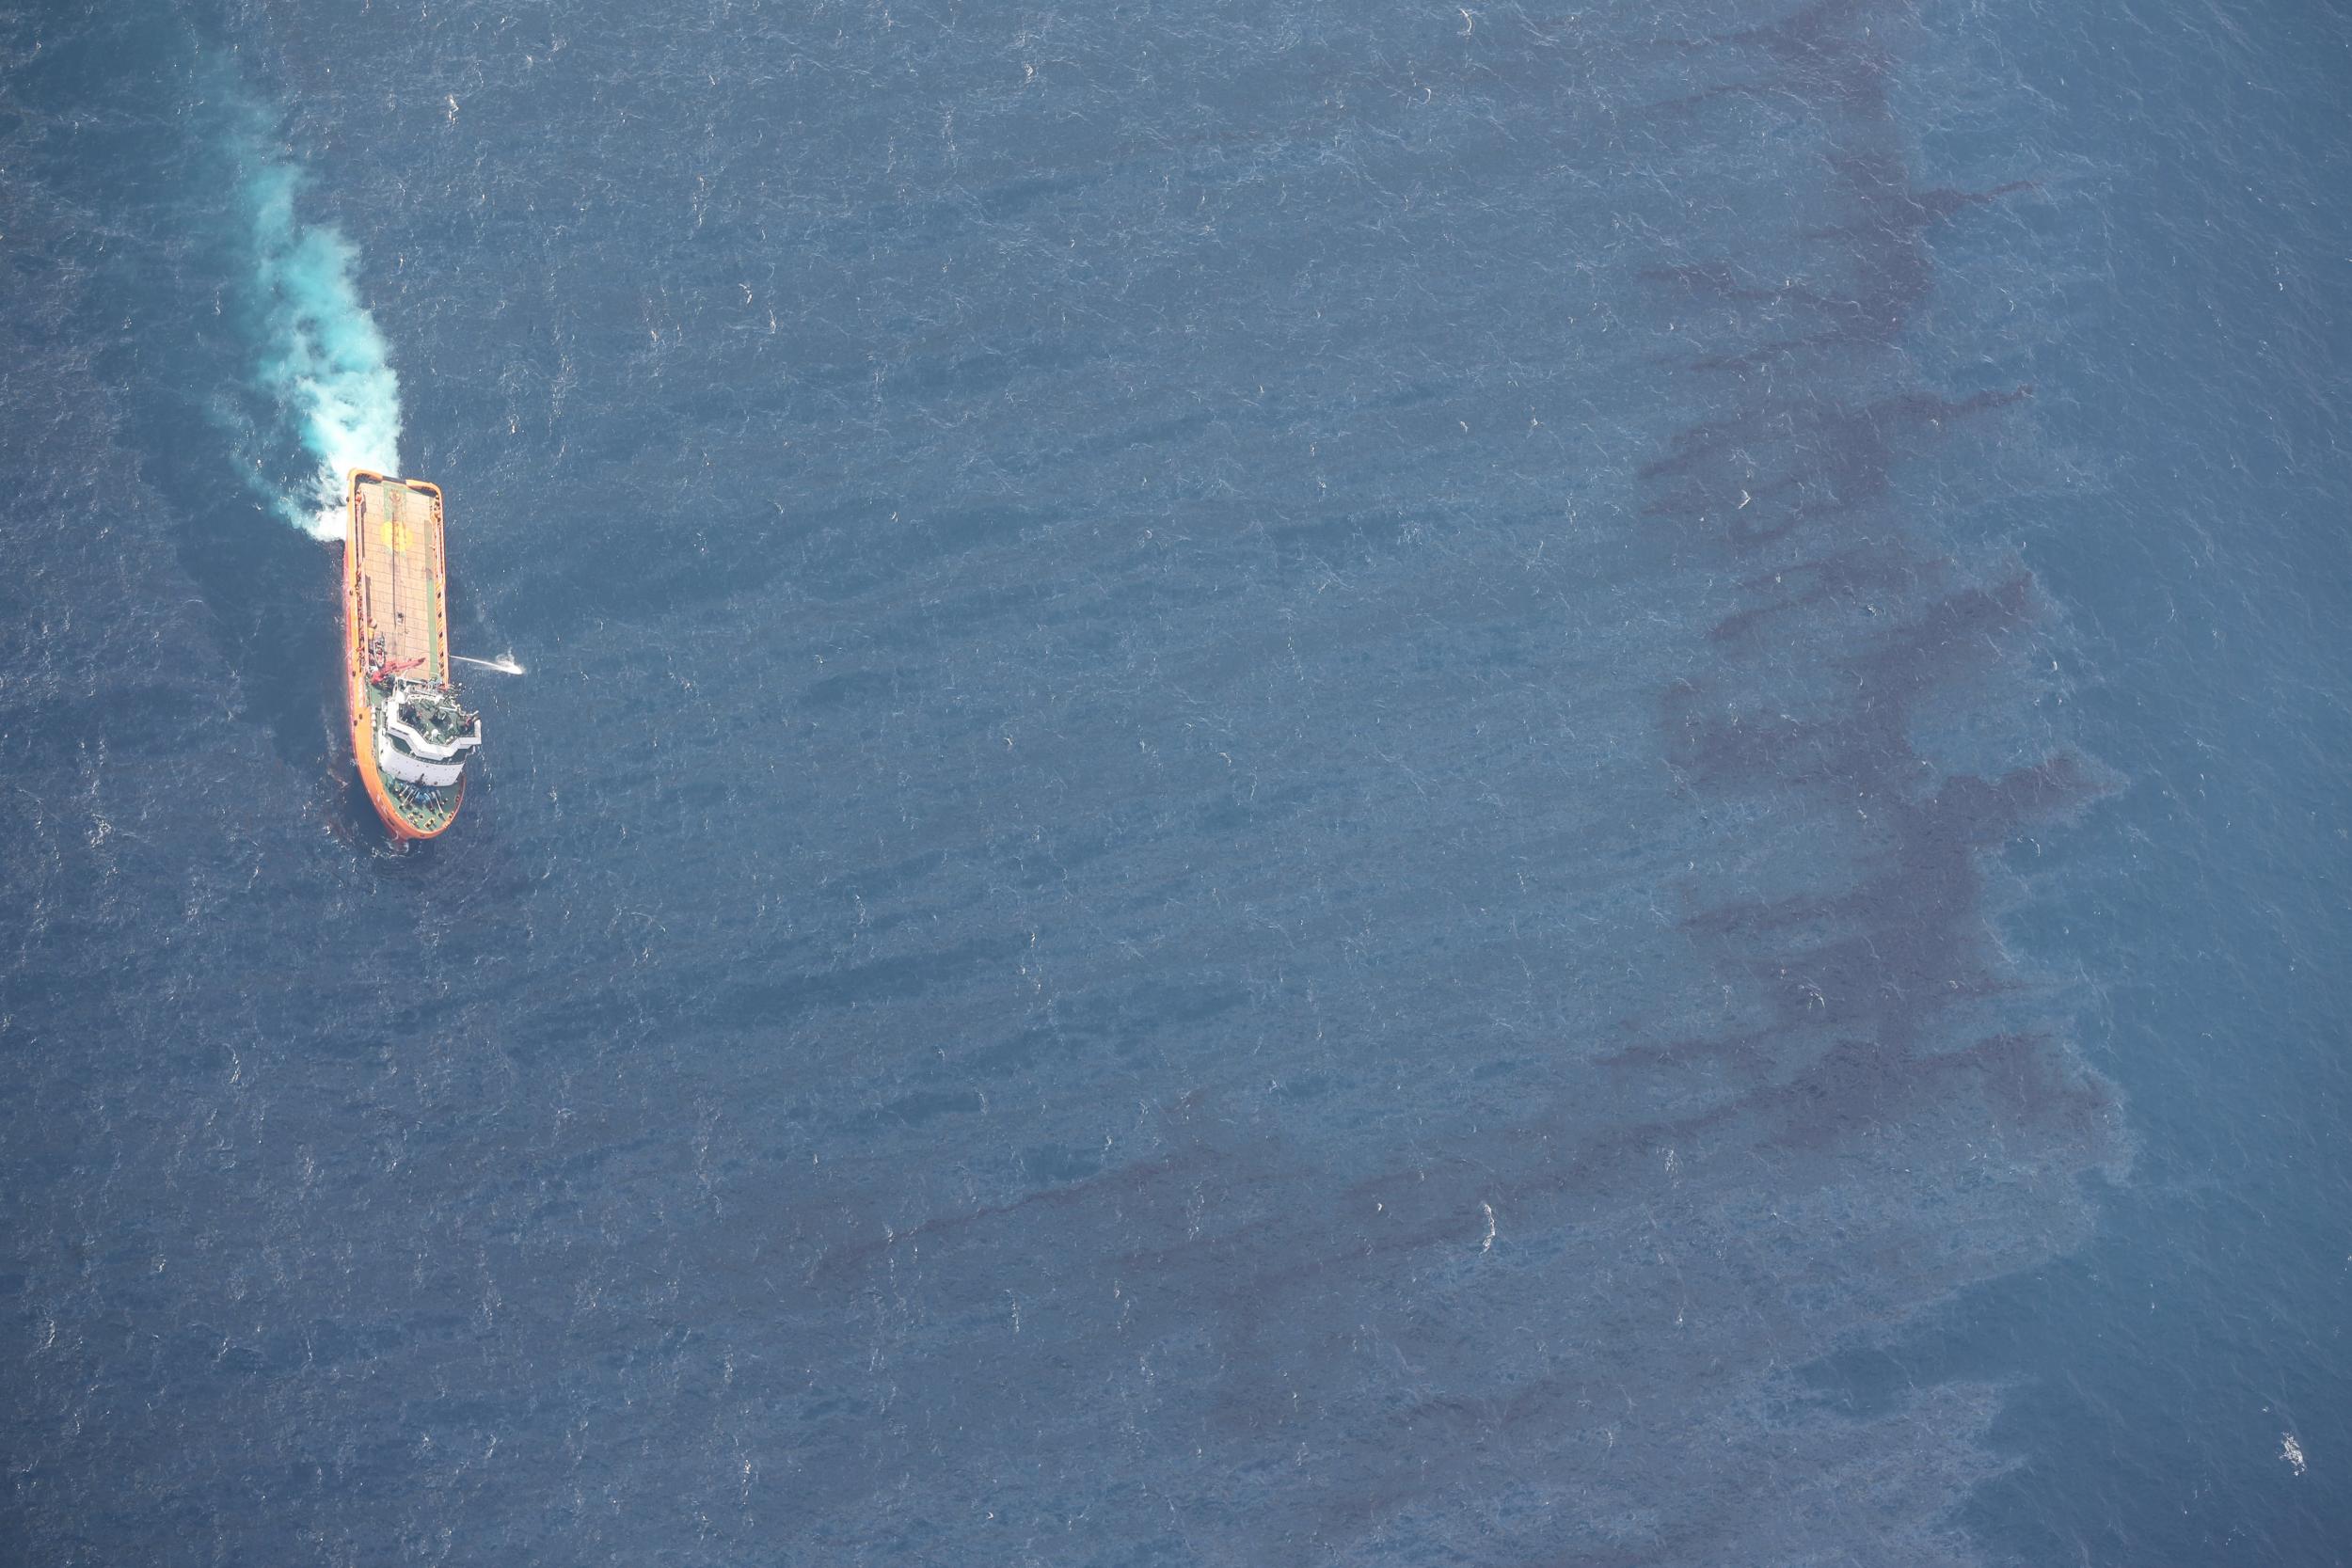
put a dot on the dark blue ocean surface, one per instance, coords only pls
(1403, 784)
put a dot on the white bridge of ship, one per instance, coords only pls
(417, 758)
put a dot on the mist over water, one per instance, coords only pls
(321, 358)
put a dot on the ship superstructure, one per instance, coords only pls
(409, 734)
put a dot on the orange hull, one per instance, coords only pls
(395, 594)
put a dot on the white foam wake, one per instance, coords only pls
(322, 358)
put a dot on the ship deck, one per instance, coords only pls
(396, 535)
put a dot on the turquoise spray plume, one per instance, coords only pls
(323, 361)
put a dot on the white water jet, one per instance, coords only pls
(504, 664)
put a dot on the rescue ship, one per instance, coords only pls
(409, 732)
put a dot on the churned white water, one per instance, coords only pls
(324, 360)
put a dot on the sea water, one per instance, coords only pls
(1405, 785)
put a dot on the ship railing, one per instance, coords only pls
(416, 739)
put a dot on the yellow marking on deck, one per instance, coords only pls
(398, 534)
